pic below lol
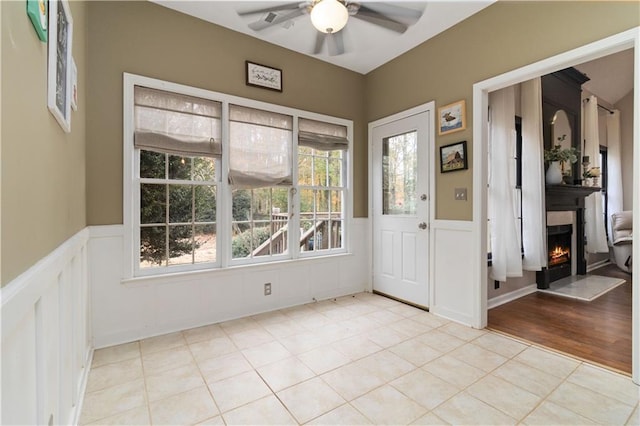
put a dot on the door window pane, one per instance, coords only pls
(399, 174)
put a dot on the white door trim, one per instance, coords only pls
(426, 107)
(607, 46)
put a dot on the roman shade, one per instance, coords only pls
(321, 135)
(177, 124)
(260, 148)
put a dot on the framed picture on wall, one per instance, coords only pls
(264, 76)
(452, 118)
(453, 157)
(74, 85)
(60, 62)
(37, 12)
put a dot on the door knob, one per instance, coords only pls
(423, 197)
(422, 225)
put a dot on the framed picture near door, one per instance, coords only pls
(60, 62)
(453, 157)
(452, 118)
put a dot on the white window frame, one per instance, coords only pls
(131, 184)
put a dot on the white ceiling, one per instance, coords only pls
(367, 46)
(611, 76)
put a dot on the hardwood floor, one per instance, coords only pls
(598, 331)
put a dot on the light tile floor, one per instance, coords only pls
(361, 359)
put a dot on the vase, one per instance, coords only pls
(554, 173)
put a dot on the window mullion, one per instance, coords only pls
(294, 197)
(193, 219)
(224, 215)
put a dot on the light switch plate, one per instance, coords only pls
(460, 194)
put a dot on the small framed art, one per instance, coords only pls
(60, 62)
(74, 85)
(37, 12)
(452, 118)
(453, 157)
(264, 76)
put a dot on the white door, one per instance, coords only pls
(400, 171)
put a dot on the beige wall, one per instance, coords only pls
(512, 284)
(43, 168)
(500, 38)
(146, 39)
(625, 105)
(43, 195)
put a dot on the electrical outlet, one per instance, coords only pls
(460, 194)
(496, 285)
(267, 289)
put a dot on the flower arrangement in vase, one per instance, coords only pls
(556, 157)
(591, 176)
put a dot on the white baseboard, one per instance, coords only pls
(77, 409)
(511, 296)
(596, 265)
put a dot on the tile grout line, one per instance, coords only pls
(206, 385)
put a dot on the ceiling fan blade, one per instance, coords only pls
(336, 43)
(288, 6)
(320, 37)
(373, 17)
(395, 12)
(262, 24)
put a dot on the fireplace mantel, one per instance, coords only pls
(567, 197)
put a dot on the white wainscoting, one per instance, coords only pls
(452, 295)
(46, 338)
(125, 311)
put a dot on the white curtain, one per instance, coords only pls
(614, 167)
(506, 258)
(594, 211)
(533, 211)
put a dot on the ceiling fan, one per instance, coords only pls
(329, 17)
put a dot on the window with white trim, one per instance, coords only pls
(178, 139)
(260, 175)
(218, 180)
(321, 180)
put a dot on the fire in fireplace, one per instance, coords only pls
(559, 255)
(559, 246)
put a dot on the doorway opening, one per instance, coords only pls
(623, 41)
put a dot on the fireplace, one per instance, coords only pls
(559, 246)
(559, 255)
(566, 198)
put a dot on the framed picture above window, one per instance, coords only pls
(60, 62)
(264, 76)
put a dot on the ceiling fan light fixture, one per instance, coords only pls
(329, 16)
